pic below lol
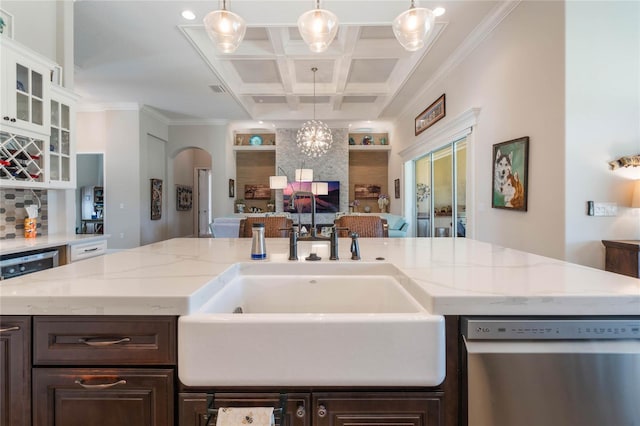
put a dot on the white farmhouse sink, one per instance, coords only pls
(312, 324)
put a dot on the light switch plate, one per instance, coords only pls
(605, 209)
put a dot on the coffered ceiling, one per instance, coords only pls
(145, 52)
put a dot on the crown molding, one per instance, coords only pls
(156, 114)
(473, 40)
(102, 107)
(199, 122)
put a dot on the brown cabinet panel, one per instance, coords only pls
(192, 407)
(15, 371)
(373, 408)
(104, 340)
(102, 397)
(622, 257)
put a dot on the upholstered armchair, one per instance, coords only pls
(364, 226)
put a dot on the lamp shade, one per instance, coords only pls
(277, 182)
(320, 188)
(412, 26)
(304, 175)
(318, 27)
(635, 201)
(226, 29)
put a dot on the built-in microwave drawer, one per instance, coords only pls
(104, 340)
(87, 250)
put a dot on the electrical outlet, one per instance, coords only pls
(605, 209)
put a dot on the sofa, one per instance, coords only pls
(397, 225)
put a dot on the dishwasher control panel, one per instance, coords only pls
(518, 328)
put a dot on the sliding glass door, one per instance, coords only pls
(440, 178)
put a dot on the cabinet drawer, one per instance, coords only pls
(87, 396)
(85, 251)
(104, 340)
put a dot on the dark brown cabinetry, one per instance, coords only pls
(622, 257)
(328, 408)
(15, 371)
(129, 376)
(105, 397)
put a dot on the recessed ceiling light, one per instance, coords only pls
(439, 11)
(188, 15)
(261, 122)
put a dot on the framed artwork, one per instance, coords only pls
(6, 24)
(431, 115)
(184, 197)
(156, 199)
(366, 190)
(329, 203)
(396, 186)
(257, 192)
(510, 168)
(232, 188)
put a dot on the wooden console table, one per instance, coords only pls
(622, 257)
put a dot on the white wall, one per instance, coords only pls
(516, 77)
(154, 136)
(212, 139)
(602, 122)
(31, 15)
(182, 221)
(116, 134)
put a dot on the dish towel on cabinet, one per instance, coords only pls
(249, 416)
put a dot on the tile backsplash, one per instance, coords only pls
(13, 213)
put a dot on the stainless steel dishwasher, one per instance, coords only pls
(544, 371)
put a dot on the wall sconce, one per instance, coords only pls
(635, 200)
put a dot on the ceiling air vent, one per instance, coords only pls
(216, 88)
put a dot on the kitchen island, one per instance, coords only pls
(142, 292)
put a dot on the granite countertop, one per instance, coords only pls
(18, 245)
(459, 276)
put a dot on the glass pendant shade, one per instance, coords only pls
(412, 27)
(318, 27)
(226, 29)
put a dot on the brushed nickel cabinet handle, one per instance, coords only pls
(322, 410)
(99, 342)
(98, 387)
(5, 330)
(300, 412)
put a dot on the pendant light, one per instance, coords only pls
(318, 27)
(314, 138)
(412, 27)
(225, 28)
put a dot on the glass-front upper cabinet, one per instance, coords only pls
(61, 142)
(25, 89)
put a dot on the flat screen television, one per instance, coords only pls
(329, 203)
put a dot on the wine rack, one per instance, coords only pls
(21, 158)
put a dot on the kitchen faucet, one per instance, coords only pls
(313, 234)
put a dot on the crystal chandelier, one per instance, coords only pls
(318, 27)
(225, 28)
(412, 26)
(314, 138)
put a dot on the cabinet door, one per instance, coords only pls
(192, 407)
(377, 408)
(102, 397)
(15, 371)
(25, 93)
(61, 147)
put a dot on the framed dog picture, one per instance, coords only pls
(510, 168)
